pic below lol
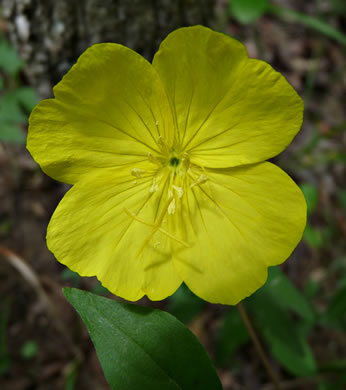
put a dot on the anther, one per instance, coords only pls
(202, 179)
(171, 207)
(154, 187)
(163, 144)
(179, 191)
(136, 172)
(185, 161)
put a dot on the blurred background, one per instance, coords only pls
(299, 315)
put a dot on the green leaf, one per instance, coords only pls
(27, 97)
(1, 83)
(248, 11)
(11, 132)
(339, 6)
(311, 288)
(339, 156)
(311, 22)
(338, 383)
(231, 336)
(342, 199)
(9, 60)
(285, 338)
(287, 295)
(139, 347)
(12, 115)
(336, 312)
(72, 276)
(184, 305)
(99, 289)
(313, 236)
(29, 349)
(71, 376)
(10, 109)
(311, 196)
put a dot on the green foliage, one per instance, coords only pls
(338, 384)
(71, 376)
(15, 102)
(248, 11)
(314, 236)
(270, 308)
(339, 6)
(184, 305)
(335, 315)
(99, 289)
(26, 97)
(71, 276)
(282, 290)
(310, 22)
(143, 347)
(12, 115)
(29, 349)
(311, 196)
(342, 199)
(231, 336)
(9, 60)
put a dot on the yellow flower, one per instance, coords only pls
(167, 162)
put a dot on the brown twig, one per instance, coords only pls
(29, 275)
(258, 347)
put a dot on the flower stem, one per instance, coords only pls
(258, 347)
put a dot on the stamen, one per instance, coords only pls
(171, 207)
(154, 187)
(136, 172)
(155, 228)
(202, 179)
(179, 191)
(185, 161)
(154, 159)
(162, 144)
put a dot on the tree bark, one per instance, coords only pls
(50, 34)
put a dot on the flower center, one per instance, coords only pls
(174, 162)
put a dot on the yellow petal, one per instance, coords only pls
(242, 220)
(110, 109)
(230, 110)
(105, 226)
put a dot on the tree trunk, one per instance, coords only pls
(50, 34)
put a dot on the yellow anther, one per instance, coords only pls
(185, 161)
(202, 179)
(136, 172)
(171, 207)
(162, 144)
(179, 191)
(154, 187)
